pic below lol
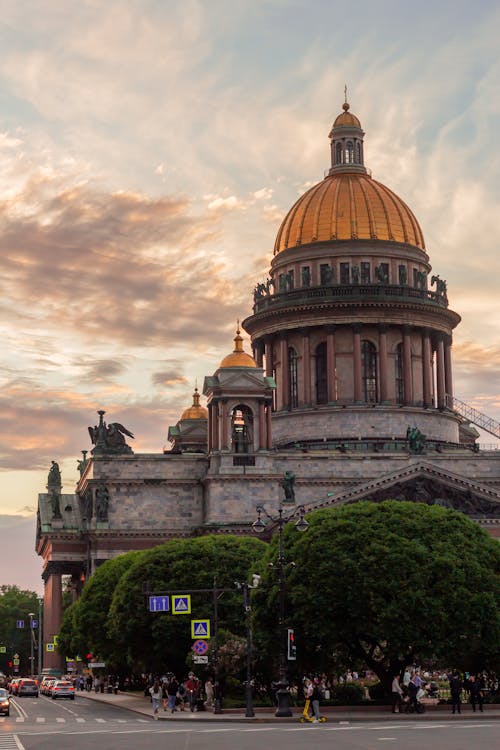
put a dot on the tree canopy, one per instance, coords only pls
(16, 604)
(112, 619)
(389, 584)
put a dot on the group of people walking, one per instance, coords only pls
(174, 695)
(413, 689)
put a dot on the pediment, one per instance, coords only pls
(426, 483)
(248, 380)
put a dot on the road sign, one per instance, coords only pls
(34, 624)
(159, 604)
(200, 628)
(19, 623)
(200, 659)
(15, 662)
(200, 647)
(181, 605)
(51, 646)
(3, 649)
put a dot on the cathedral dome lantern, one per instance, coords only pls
(196, 410)
(238, 357)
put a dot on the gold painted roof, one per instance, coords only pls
(348, 206)
(346, 119)
(238, 358)
(196, 411)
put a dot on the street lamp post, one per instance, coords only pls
(259, 526)
(32, 670)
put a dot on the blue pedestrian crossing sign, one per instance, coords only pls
(181, 605)
(200, 628)
(159, 604)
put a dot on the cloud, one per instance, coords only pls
(169, 377)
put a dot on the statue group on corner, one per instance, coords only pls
(109, 438)
(416, 440)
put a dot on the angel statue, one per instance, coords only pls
(109, 438)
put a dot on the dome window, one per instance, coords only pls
(358, 153)
(349, 153)
(293, 397)
(365, 272)
(369, 371)
(321, 375)
(338, 153)
(344, 273)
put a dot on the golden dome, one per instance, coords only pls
(348, 206)
(238, 358)
(346, 119)
(196, 411)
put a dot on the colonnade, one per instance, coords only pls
(434, 351)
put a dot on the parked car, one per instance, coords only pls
(27, 687)
(4, 701)
(46, 685)
(62, 689)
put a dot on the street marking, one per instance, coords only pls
(19, 719)
(60, 721)
(81, 721)
(101, 721)
(40, 719)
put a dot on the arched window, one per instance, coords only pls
(358, 152)
(321, 375)
(241, 429)
(293, 397)
(349, 152)
(338, 153)
(400, 390)
(369, 371)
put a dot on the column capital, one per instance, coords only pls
(357, 327)
(330, 328)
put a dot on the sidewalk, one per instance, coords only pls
(141, 704)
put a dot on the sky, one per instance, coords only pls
(149, 150)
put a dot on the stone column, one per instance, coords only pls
(427, 368)
(284, 373)
(356, 344)
(262, 426)
(269, 427)
(330, 364)
(268, 350)
(448, 377)
(440, 367)
(214, 425)
(382, 348)
(52, 614)
(306, 368)
(224, 417)
(259, 353)
(407, 374)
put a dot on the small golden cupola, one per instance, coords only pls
(238, 358)
(195, 411)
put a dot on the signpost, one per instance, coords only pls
(159, 604)
(200, 628)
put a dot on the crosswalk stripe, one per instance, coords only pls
(19, 719)
(61, 721)
(81, 721)
(40, 719)
(101, 721)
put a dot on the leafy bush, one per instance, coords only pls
(377, 691)
(347, 694)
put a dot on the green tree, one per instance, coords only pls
(16, 604)
(83, 628)
(390, 584)
(156, 642)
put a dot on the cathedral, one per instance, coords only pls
(343, 392)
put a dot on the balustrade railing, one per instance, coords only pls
(348, 291)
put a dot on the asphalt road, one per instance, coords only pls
(42, 724)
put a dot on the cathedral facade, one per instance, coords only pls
(348, 390)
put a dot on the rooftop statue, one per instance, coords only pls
(416, 440)
(54, 478)
(109, 438)
(287, 483)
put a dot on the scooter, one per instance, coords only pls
(306, 716)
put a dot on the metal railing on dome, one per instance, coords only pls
(394, 292)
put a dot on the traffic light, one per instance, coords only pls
(292, 648)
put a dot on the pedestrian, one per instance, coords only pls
(308, 691)
(456, 686)
(97, 684)
(156, 696)
(476, 692)
(172, 689)
(209, 692)
(192, 687)
(397, 694)
(317, 694)
(413, 688)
